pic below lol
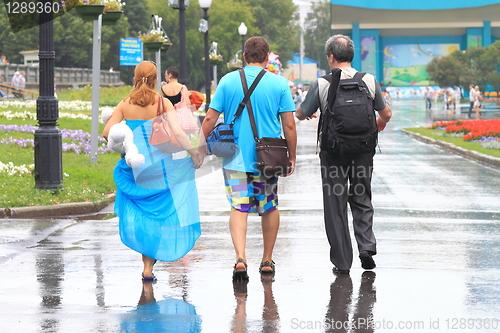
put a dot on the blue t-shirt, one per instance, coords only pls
(271, 97)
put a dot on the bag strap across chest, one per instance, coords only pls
(248, 102)
(247, 91)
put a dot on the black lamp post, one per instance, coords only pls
(181, 5)
(48, 141)
(205, 5)
(242, 30)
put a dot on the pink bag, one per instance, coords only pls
(185, 114)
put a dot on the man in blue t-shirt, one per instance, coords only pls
(246, 189)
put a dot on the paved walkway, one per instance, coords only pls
(438, 269)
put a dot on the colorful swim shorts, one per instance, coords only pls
(249, 192)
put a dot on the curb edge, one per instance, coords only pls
(470, 154)
(66, 209)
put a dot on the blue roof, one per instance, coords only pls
(415, 5)
(296, 60)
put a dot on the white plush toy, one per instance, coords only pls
(121, 140)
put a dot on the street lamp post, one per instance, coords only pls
(242, 30)
(47, 138)
(205, 5)
(181, 5)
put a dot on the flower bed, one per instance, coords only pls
(76, 141)
(480, 130)
(13, 170)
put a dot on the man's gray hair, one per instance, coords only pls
(342, 48)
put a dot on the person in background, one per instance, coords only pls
(428, 98)
(15, 84)
(172, 89)
(3, 60)
(457, 92)
(297, 99)
(472, 98)
(22, 83)
(2, 94)
(478, 98)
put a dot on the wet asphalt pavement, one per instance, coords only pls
(437, 222)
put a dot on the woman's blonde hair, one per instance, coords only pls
(144, 92)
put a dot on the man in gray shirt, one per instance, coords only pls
(339, 170)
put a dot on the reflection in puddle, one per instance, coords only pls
(168, 315)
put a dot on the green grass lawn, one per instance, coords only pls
(83, 181)
(456, 140)
(108, 96)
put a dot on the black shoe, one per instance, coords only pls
(240, 288)
(335, 270)
(367, 261)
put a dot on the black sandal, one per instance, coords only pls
(267, 264)
(240, 274)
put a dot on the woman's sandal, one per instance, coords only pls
(267, 264)
(240, 274)
(151, 279)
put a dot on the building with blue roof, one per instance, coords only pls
(395, 40)
(309, 69)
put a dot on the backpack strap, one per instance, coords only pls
(332, 91)
(334, 80)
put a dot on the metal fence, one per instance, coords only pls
(65, 77)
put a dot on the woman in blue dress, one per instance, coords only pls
(157, 202)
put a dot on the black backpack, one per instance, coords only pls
(348, 124)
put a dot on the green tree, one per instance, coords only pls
(225, 31)
(445, 71)
(316, 33)
(490, 64)
(138, 14)
(224, 18)
(472, 70)
(275, 20)
(12, 43)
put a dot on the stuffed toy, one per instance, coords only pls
(121, 140)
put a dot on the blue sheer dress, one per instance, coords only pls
(157, 203)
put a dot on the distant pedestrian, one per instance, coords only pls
(428, 98)
(15, 85)
(346, 177)
(3, 60)
(297, 100)
(458, 96)
(387, 97)
(2, 94)
(478, 98)
(472, 98)
(21, 83)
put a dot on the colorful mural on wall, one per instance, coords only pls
(405, 64)
(368, 55)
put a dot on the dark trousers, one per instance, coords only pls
(347, 179)
(428, 104)
(470, 108)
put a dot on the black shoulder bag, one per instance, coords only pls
(220, 141)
